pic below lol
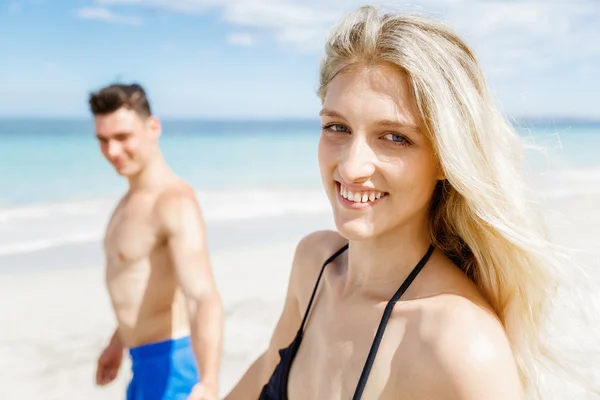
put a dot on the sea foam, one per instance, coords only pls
(37, 227)
(30, 228)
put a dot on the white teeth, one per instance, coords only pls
(359, 197)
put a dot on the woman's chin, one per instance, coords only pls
(355, 229)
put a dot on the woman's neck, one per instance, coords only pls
(378, 266)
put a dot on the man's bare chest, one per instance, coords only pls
(132, 234)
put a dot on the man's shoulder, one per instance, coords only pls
(176, 194)
(177, 204)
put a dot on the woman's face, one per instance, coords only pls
(378, 168)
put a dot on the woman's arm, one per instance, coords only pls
(305, 269)
(251, 383)
(309, 256)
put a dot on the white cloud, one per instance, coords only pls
(512, 36)
(184, 6)
(243, 39)
(508, 35)
(270, 14)
(106, 15)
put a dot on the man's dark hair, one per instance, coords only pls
(110, 98)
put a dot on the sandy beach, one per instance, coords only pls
(56, 314)
(60, 317)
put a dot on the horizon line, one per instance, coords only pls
(511, 118)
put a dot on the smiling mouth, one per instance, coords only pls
(359, 199)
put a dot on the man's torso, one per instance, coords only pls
(139, 276)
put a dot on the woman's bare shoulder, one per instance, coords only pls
(311, 252)
(465, 349)
(318, 246)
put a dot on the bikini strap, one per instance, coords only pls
(329, 260)
(364, 376)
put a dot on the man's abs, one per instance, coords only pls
(147, 303)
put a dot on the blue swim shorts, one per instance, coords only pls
(164, 370)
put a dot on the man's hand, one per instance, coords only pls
(202, 391)
(109, 362)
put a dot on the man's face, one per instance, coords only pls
(126, 140)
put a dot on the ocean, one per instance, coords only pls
(56, 189)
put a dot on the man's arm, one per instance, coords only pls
(186, 239)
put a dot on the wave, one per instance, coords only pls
(31, 228)
(39, 211)
(216, 205)
(42, 244)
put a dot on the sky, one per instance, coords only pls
(259, 58)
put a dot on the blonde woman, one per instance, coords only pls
(435, 284)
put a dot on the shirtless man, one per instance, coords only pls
(158, 274)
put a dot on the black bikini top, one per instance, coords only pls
(276, 388)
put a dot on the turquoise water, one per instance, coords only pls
(56, 189)
(48, 161)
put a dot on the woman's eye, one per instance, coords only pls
(396, 138)
(335, 128)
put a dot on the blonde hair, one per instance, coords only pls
(480, 216)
